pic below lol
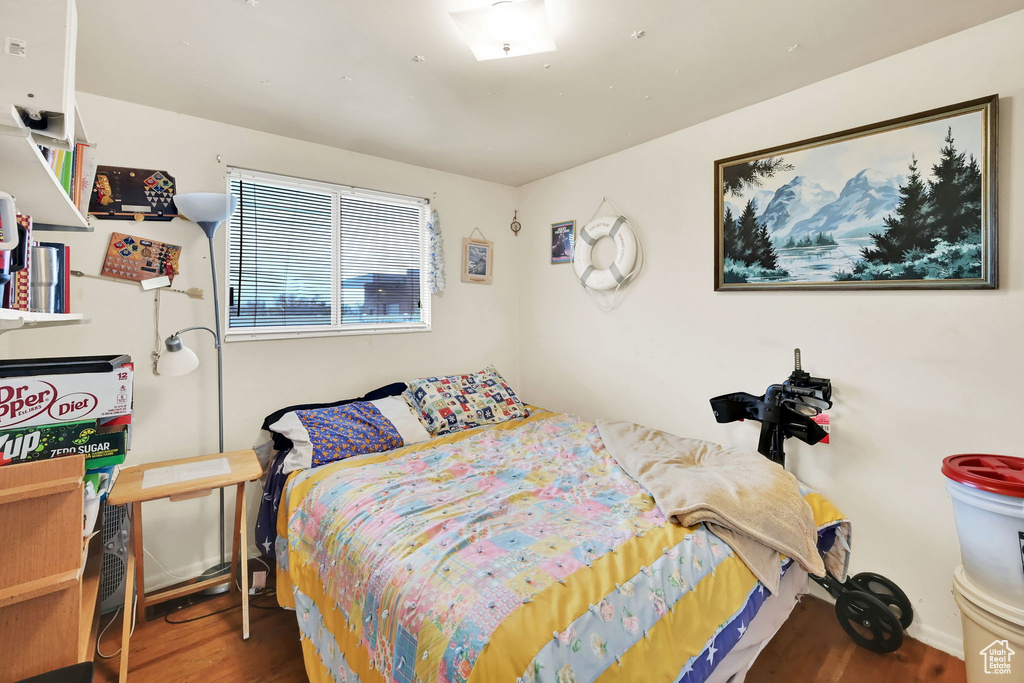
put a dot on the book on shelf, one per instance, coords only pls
(75, 171)
(88, 164)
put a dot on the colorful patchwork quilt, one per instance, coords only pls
(516, 552)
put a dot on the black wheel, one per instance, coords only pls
(869, 622)
(888, 592)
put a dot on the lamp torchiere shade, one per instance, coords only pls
(208, 209)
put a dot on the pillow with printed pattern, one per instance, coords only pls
(325, 435)
(457, 402)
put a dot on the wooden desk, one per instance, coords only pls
(129, 489)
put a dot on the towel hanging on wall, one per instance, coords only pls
(437, 277)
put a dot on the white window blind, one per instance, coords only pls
(311, 259)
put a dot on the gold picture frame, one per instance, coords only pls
(477, 261)
(908, 203)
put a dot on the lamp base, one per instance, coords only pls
(216, 571)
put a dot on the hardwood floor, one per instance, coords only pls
(810, 648)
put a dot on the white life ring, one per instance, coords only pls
(621, 267)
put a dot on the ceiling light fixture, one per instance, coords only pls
(506, 29)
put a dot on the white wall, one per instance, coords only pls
(917, 375)
(473, 325)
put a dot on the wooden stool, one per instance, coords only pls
(177, 480)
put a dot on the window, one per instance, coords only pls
(312, 259)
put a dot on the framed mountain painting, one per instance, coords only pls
(903, 204)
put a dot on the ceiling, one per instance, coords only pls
(342, 72)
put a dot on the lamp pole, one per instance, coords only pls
(174, 343)
(210, 228)
(209, 210)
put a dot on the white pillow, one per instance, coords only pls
(300, 457)
(394, 409)
(398, 411)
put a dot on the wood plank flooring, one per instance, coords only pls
(810, 648)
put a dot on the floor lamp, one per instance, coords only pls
(208, 210)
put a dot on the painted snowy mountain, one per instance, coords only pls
(866, 199)
(792, 203)
(761, 199)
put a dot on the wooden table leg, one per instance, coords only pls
(126, 609)
(140, 565)
(242, 552)
(235, 547)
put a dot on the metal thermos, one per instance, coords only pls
(43, 278)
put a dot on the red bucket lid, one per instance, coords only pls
(996, 473)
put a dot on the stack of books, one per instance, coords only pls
(75, 170)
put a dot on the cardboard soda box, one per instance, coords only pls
(103, 444)
(46, 399)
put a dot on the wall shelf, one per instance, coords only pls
(25, 175)
(13, 320)
(47, 227)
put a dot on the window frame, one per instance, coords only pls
(336, 328)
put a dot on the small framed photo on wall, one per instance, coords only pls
(563, 237)
(477, 261)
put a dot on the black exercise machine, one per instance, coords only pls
(872, 609)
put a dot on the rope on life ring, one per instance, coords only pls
(624, 267)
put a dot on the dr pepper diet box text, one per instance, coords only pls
(50, 399)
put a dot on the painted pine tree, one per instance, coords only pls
(908, 228)
(731, 236)
(954, 194)
(755, 245)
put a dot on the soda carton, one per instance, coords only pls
(27, 401)
(102, 443)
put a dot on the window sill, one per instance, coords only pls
(277, 334)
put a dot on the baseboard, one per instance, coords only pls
(940, 640)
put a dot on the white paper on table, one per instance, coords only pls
(174, 474)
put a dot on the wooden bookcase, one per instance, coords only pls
(48, 595)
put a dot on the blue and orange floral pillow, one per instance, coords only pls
(457, 402)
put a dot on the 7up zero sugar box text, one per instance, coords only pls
(50, 399)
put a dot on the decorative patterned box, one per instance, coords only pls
(19, 295)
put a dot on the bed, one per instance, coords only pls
(519, 552)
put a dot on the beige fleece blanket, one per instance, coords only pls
(748, 501)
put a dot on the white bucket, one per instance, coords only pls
(991, 530)
(993, 633)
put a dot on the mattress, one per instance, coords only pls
(516, 552)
